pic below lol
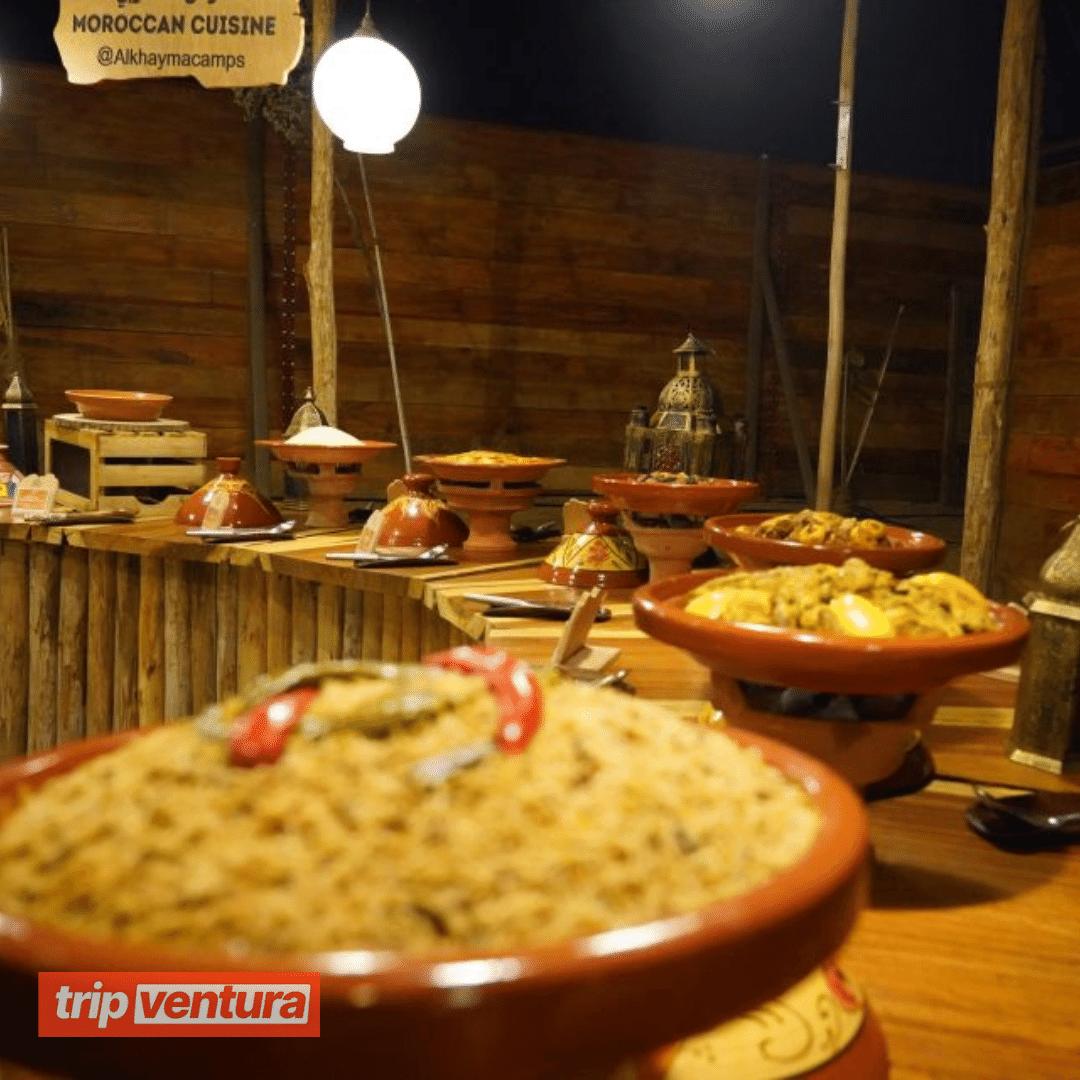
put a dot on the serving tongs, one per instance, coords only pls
(434, 556)
(513, 607)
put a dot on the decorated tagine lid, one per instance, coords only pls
(227, 500)
(417, 518)
(602, 553)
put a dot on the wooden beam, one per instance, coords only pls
(838, 263)
(319, 269)
(1006, 230)
(756, 333)
(258, 428)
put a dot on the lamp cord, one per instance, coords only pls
(384, 310)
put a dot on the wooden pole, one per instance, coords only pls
(838, 262)
(258, 426)
(319, 270)
(1005, 238)
(755, 339)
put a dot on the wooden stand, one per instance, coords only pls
(115, 465)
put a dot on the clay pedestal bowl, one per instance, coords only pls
(524, 1014)
(489, 494)
(331, 474)
(653, 507)
(908, 552)
(898, 678)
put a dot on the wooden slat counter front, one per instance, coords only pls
(108, 627)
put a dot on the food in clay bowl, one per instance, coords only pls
(328, 460)
(846, 663)
(488, 487)
(761, 541)
(495, 872)
(664, 513)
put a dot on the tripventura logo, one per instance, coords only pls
(195, 1004)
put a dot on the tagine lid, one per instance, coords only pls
(418, 518)
(227, 500)
(602, 553)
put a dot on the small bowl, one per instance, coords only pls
(909, 550)
(829, 663)
(133, 405)
(706, 497)
(523, 1013)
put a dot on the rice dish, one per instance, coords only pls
(617, 813)
(322, 435)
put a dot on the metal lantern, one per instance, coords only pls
(688, 432)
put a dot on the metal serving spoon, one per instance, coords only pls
(435, 555)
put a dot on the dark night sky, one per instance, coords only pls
(752, 76)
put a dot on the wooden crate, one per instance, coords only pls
(109, 465)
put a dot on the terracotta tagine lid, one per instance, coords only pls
(419, 519)
(602, 553)
(227, 500)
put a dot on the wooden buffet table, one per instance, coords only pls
(969, 955)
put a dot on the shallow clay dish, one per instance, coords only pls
(705, 498)
(529, 469)
(133, 405)
(516, 1015)
(909, 550)
(355, 454)
(831, 663)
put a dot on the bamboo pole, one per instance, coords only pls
(838, 260)
(319, 269)
(1005, 239)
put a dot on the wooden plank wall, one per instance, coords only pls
(1042, 478)
(538, 282)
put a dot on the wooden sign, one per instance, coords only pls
(35, 495)
(218, 42)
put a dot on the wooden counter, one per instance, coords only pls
(969, 955)
(108, 627)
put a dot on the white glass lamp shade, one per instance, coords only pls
(367, 94)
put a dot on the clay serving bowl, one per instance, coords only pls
(520, 1015)
(134, 405)
(913, 671)
(325, 456)
(908, 551)
(527, 470)
(706, 497)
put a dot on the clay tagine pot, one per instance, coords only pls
(330, 469)
(419, 519)
(602, 553)
(227, 500)
(489, 488)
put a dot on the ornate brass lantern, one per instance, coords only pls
(688, 432)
